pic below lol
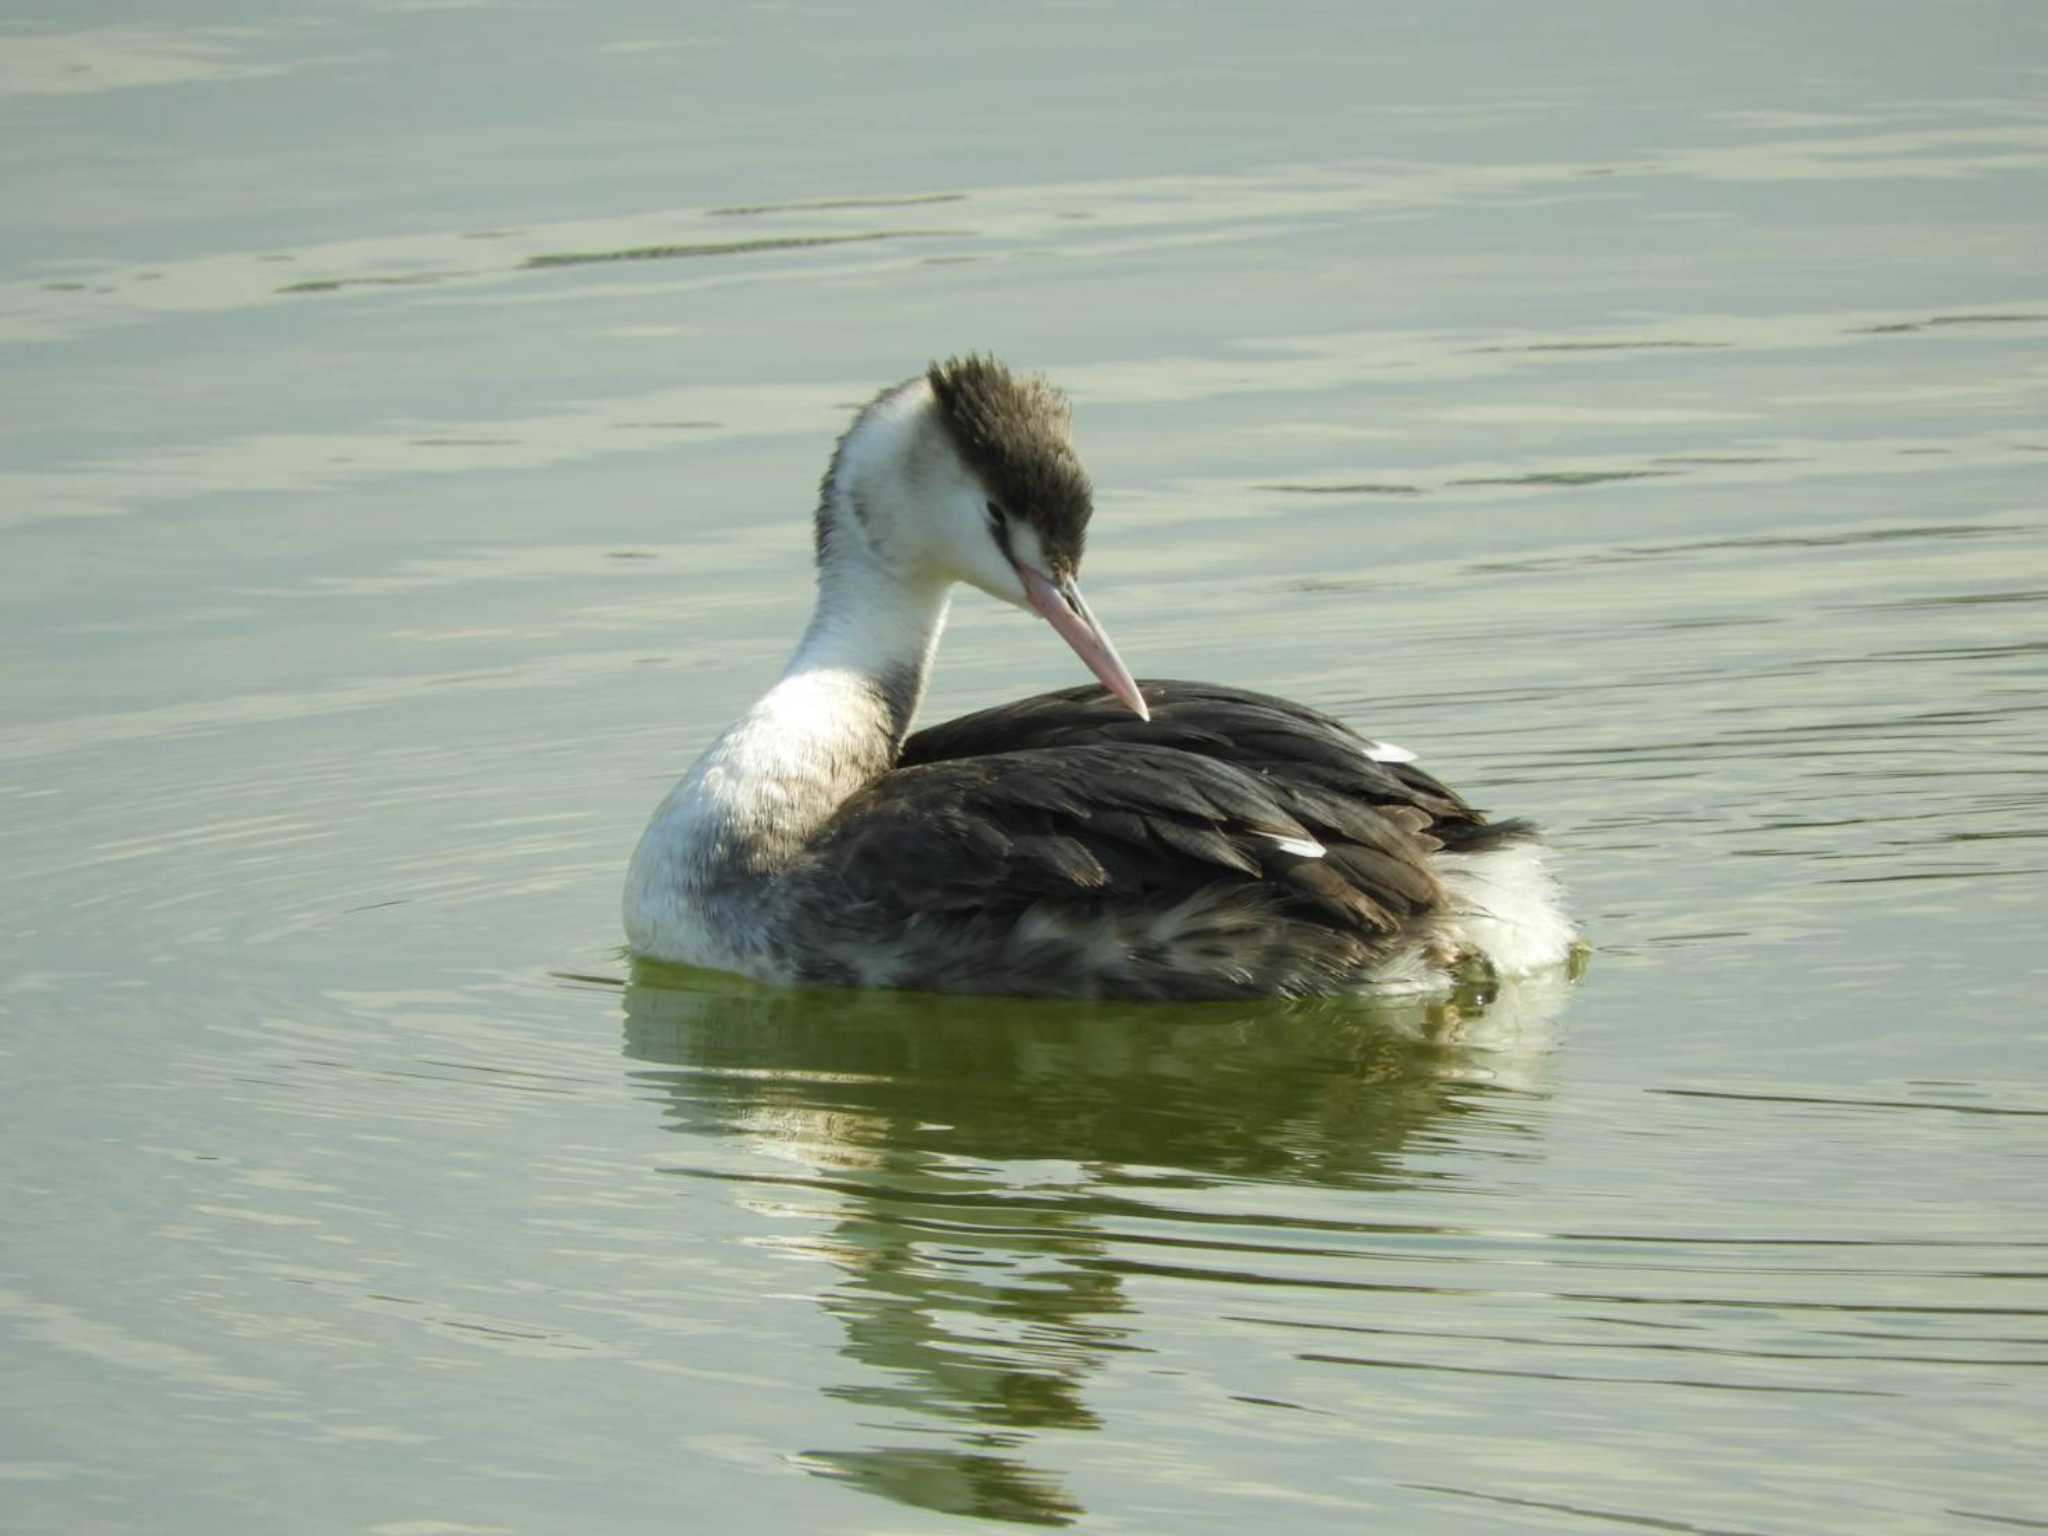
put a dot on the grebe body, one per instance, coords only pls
(1160, 839)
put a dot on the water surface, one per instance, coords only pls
(413, 416)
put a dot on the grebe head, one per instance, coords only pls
(967, 473)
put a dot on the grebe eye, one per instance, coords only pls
(995, 515)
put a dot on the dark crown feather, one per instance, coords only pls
(1012, 430)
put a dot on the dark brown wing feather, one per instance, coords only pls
(1069, 796)
(1312, 757)
(1007, 829)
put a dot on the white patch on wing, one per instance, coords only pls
(1301, 847)
(1387, 752)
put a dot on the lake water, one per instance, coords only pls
(412, 417)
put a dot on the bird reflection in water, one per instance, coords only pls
(995, 1172)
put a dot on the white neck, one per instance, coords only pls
(871, 640)
(834, 720)
(876, 623)
(830, 726)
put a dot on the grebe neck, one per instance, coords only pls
(832, 724)
(859, 672)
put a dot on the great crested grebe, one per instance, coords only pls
(1138, 840)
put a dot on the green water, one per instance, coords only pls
(412, 416)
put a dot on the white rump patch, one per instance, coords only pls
(1505, 903)
(1387, 752)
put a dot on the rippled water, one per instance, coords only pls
(412, 418)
